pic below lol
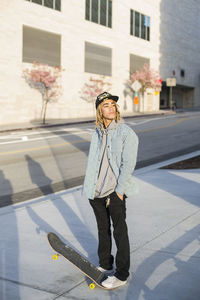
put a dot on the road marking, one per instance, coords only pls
(43, 138)
(45, 131)
(41, 147)
(161, 127)
(72, 130)
(79, 141)
(24, 138)
(18, 137)
(146, 121)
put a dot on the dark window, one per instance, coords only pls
(110, 13)
(139, 25)
(147, 26)
(54, 4)
(48, 3)
(37, 1)
(58, 5)
(95, 11)
(143, 28)
(87, 9)
(98, 59)
(99, 11)
(131, 22)
(182, 73)
(103, 12)
(42, 46)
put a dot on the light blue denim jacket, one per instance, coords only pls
(122, 147)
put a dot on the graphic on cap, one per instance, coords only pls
(104, 96)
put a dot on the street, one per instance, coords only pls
(42, 161)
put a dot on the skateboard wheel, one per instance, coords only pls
(92, 286)
(55, 256)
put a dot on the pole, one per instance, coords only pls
(170, 97)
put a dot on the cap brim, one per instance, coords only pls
(114, 98)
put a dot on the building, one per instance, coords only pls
(91, 38)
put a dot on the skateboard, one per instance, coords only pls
(83, 265)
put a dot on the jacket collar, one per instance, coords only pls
(113, 125)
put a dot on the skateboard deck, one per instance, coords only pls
(86, 267)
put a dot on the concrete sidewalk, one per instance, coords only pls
(164, 230)
(36, 124)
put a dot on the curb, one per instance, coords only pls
(80, 122)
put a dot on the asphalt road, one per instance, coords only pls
(52, 159)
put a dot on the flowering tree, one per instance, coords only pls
(94, 87)
(148, 78)
(45, 79)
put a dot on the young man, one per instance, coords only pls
(108, 182)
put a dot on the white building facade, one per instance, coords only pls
(94, 38)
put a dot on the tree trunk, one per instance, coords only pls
(44, 113)
(46, 100)
(41, 114)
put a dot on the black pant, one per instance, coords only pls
(117, 211)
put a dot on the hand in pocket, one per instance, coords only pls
(120, 196)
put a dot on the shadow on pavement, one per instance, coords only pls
(8, 258)
(77, 227)
(176, 184)
(169, 273)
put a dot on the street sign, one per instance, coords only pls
(136, 86)
(171, 81)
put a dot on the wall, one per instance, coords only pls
(168, 49)
(180, 46)
(21, 103)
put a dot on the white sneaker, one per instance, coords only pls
(104, 270)
(113, 282)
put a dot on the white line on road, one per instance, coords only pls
(45, 138)
(149, 120)
(14, 135)
(20, 137)
(44, 131)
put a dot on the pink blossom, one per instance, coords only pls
(94, 87)
(147, 77)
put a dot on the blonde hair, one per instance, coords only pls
(99, 115)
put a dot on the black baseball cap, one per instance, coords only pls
(105, 95)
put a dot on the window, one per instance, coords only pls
(54, 4)
(137, 62)
(42, 46)
(99, 11)
(140, 25)
(98, 59)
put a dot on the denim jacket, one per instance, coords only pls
(122, 147)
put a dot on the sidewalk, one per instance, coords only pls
(62, 122)
(163, 221)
